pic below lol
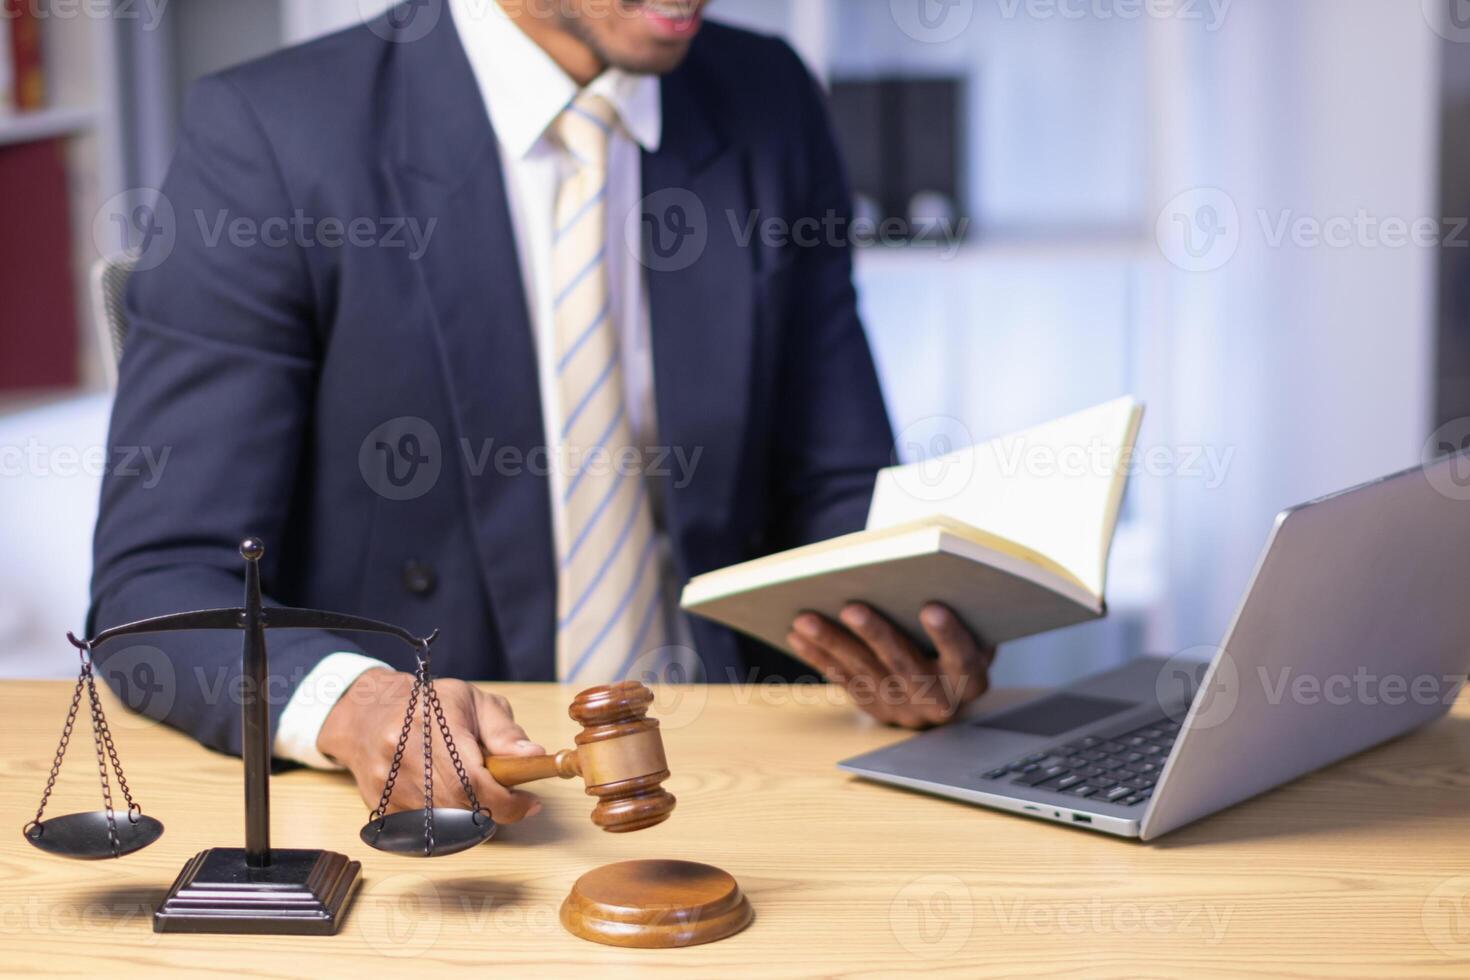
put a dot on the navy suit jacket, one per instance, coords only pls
(281, 376)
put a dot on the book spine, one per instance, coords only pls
(28, 71)
(39, 339)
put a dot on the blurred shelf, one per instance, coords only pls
(1122, 247)
(40, 124)
(14, 402)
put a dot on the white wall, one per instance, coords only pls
(212, 34)
(50, 478)
(1312, 363)
(302, 20)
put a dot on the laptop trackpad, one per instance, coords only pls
(1056, 714)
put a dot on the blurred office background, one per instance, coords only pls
(1139, 184)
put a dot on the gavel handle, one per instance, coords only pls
(514, 770)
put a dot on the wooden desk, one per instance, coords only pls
(1361, 871)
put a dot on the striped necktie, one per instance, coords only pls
(609, 615)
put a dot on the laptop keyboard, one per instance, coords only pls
(1121, 769)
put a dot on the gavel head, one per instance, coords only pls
(621, 756)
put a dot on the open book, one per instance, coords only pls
(1012, 534)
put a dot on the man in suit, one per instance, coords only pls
(462, 317)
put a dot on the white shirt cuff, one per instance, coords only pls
(314, 699)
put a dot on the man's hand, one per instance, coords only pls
(363, 728)
(886, 674)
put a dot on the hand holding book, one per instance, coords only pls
(885, 673)
(1017, 545)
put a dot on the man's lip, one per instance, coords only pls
(679, 26)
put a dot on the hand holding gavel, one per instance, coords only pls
(619, 753)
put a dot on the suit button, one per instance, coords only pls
(419, 578)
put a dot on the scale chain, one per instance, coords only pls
(105, 747)
(393, 767)
(71, 720)
(423, 680)
(98, 725)
(464, 779)
(117, 770)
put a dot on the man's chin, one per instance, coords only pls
(650, 63)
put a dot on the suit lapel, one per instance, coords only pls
(444, 165)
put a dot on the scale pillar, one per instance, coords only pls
(255, 720)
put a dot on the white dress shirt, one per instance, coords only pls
(524, 91)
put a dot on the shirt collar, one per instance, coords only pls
(525, 90)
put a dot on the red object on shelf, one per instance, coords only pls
(38, 315)
(25, 54)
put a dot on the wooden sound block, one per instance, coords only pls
(655, 905)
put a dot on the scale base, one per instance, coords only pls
(301, 893)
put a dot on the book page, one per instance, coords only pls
(1055, 488)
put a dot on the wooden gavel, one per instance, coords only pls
(620, 754)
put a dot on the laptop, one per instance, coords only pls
(1354, 629)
